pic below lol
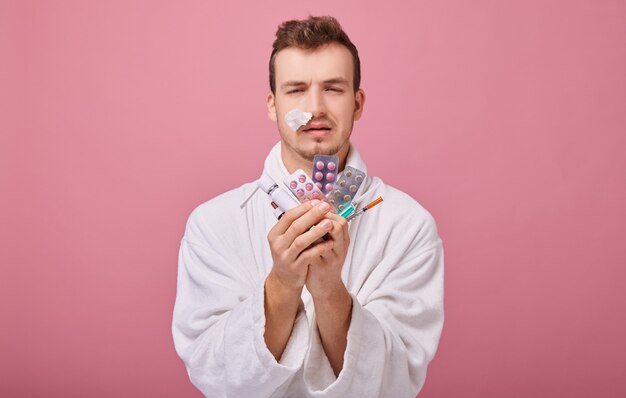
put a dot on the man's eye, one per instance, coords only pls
(295, 90)
(337, 90)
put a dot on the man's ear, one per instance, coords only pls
(271, 107)
(359, 101)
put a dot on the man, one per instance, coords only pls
(265, 308)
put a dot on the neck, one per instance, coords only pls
(293, 161)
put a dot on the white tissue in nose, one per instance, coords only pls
(296, 118)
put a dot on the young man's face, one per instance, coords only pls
(319, 81)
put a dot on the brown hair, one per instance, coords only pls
(311, 34)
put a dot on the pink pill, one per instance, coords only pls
(319, 165)
(315, 194)
(319, 185)
(302, 178)
(300, 193)
(330, 177)
(331, 166)
(329, 187)
(308, 186)
(319, 175)
(293, 185)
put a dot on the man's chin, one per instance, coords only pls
(318, 148)
(309, 146)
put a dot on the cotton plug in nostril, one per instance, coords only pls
(295, 118)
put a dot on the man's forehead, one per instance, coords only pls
(329, 62)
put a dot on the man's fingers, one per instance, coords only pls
(338, 219)
(308, 238)
(285, 221)
(340, 229)
(305, 222)
(312, 254)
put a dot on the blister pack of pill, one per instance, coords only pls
(346, 187)
(303, 187)
(325, 172)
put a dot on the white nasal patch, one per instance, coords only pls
(295, 118)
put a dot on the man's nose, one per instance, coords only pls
(316, 103)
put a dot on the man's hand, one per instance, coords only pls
(333, 303)
(291, 239)
(292, 251)
(324, 277)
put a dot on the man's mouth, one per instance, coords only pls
(317, 129)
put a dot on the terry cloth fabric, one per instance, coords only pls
(393, 271)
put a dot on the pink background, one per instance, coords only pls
(506, 119)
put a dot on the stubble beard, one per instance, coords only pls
(319, 149)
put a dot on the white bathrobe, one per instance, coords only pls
(393, 271)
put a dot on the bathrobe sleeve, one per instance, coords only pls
(219, 317)
(397, 317)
